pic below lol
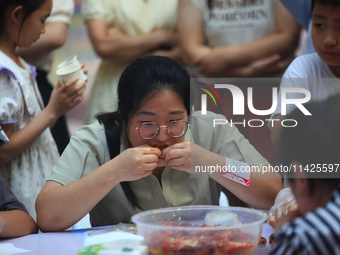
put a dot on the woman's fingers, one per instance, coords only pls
(77, 93)
(150, 158)
(173, 154)
(78, 100)
(68, 85)
(147, 149)
(176, 162)
(58, 86)
(148, 172)
(175, 146)
(75, 90)
(85, 71)
(178, 156)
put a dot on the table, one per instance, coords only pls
(69, 242)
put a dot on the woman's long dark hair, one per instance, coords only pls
(139, 82)
(29, 6)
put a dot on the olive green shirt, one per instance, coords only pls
(88, 150)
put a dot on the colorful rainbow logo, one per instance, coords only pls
(209, 93)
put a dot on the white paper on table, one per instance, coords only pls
(121, 238)
(9, 248)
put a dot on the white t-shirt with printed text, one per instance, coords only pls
(236, 22)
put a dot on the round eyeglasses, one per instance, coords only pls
(149, 130)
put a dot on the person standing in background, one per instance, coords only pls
(240, 39)
(120, 32)
(234, 39)
(28, 158)
(40, 54)
(302, 12)
(319, 72)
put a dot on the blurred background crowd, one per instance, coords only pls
(78, 43)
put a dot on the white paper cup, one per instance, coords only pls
(66, 73)
(72, 61)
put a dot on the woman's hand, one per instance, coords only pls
(136, 163)
(177, 156)
(161, 35)
(175, 52)
(168, 37)
(65, 97)
(85, 71)
(180, 155)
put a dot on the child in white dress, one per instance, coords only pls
(27, 160)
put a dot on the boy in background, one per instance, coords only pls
(318, 72)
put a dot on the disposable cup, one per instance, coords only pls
(72, 61)
(68, 72)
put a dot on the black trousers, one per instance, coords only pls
(59, 131)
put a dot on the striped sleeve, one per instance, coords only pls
(318, 232)
(286, 241)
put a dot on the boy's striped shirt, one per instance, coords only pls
(318, 232)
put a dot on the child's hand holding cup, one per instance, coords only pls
(69, 69)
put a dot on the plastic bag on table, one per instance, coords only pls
(284, 203)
